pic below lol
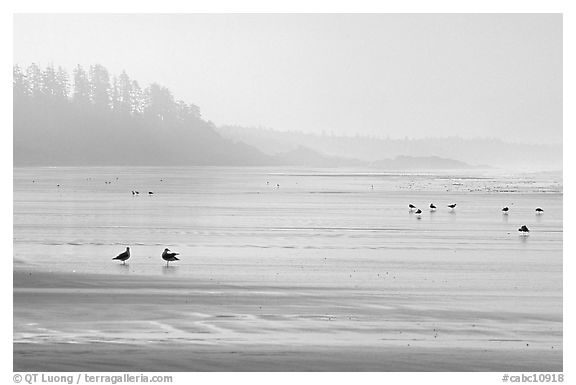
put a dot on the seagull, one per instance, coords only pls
(411, 206)
(524, 230)
(452, 206)
(169, 257)
(150, 193)
(432, 207)
(505, 210)
(418, 212)
(123, 257)
(539, 210)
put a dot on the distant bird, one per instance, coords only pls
(539, 210)
(432, 207)
(505, 210)
(452, 206)
(169, 257)
(137, 192)
(411, 206)
(524, 230)
(150, 192)
(133, 192)
(123, 257)
(418, 212)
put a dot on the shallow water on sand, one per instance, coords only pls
(236, 223)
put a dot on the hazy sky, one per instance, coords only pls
(382, 74)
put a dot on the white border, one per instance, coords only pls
(294, 6)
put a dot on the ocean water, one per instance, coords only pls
(350, 228)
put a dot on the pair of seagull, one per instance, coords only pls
(134, 192)
(167, 255)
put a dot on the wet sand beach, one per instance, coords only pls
(99, 322)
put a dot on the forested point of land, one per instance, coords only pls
(91, 117)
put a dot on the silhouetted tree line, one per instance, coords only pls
(95, 118)
(98, 90)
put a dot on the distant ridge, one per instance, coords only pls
(303, 156)
(489, 152)
(422, 163)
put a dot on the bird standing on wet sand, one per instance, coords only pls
(432, 207)
(411, 206)
(169, 256)
(452, 206)
(505, 210)
(539, 210)
(524, 230)
(123, 257)
(418, 212)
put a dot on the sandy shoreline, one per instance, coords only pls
(84, 322)
(134, 358)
